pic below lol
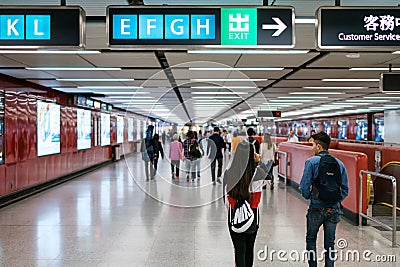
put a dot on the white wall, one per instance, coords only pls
(392, 126)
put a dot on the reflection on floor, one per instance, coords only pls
(114, 217)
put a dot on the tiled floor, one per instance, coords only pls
(114, 217)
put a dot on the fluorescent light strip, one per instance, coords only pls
(223, 87)
(289, 101)
(132, 94)
(392, 106)
(219, 93)
(350, 80)
(73, 69)
(370, 100)
(227, 80)
(304, 21)
(317, 93)
(382, 97)
(301, 97)
(49, 52)
(239, 69)
(253, 52)
(352, 103)
(126, 98)
(335, 87)
(94, 80)
(216, 98)
(374, 69)
(109, 87)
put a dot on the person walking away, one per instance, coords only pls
(235, 142)
(229, 141)
(158, 150)
(175, 155)
(202, 153)
(250, 138)
(148, 149)
(243, 181)
(214, 151)
(163, 137)
(325, 183)
(267, 153)
(292, 137)
(190, 161)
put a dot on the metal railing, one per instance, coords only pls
(286, 164)
(394, 203)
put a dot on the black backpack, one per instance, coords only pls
(327, 187)
(194, 150)
(150, 149)
(242, 218)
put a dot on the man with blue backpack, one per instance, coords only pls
(325, 183)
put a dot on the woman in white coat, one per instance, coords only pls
(267, 153)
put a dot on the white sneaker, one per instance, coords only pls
(219, 180)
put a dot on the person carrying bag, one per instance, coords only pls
(243, 182)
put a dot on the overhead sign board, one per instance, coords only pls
(33, 26)
(268, 113)
(390, 82)
(132, 26)
(358, 27)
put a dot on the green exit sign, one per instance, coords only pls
(238, 26)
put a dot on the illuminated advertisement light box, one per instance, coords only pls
(37, 27)
(132, 26)
(130, 129)
(97, 104)
(48, 128)
(83, 129)
(358, 28)
(120, 129)
(105, 129)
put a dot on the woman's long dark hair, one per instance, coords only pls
(267, 139)
(241, 173)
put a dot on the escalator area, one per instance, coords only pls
(379, 195)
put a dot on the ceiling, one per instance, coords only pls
(169, 84)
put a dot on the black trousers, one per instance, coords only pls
(244, 248)
(219, 170)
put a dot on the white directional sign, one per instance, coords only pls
(241, 26)
(279, 26)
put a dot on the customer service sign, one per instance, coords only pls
(358, 27)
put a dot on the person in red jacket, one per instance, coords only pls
(243, 180)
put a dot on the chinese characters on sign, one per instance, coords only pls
(358, 27)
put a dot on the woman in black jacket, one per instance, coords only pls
(158, 149)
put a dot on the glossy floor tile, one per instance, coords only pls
(114, 217)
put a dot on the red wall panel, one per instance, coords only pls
(31, 129)
(42, 169)
(22, 131)
(353, 161)
(22, 171)
(33, 174)
(2, 179)
(11, 128)
(22, 166)
(11, 172)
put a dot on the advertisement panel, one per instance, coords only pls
(105, 129)
(83, 129)
(48, 128)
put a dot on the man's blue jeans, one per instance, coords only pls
(316, 218)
